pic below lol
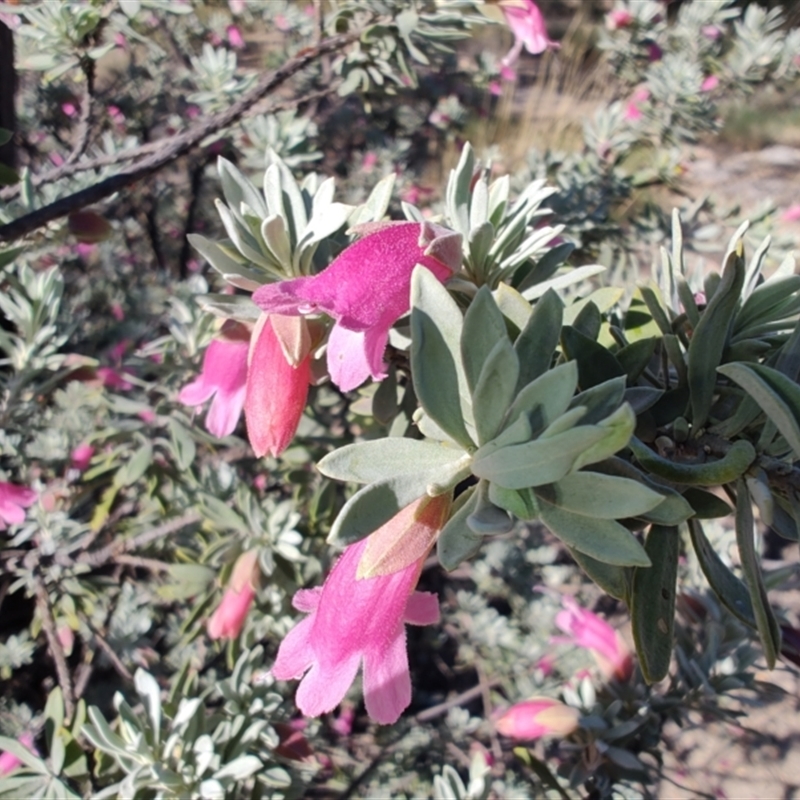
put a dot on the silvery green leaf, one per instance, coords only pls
(273, 232)
(753, 272)
(379, 459)
(546, 398)
(777, 396)
(710, 337)
(604, 299)
(457, 542)
(595, 363)
(768, 630)
(240, 768)
(618, 429)
(226, 265)
(377, 204)
(495, 389)
(148, 689)
(484, 327)
(242, 239)
(602, 496)
(612, 579)
(601, 400)
(602, 539)
(538, 462)
(294, 205)
(230, 306)
(439, 379)
(729, 589)
(29, 759)
(479, 205)
(534, 273)
(480, 242)
(572, 276)
(653, 603)
(325, 224)
(766, 303)
(587, 321)
(237, 189)
(513, 306)
(498, 199)
(539, 338)
(374, 505)
(519, 502)
(457, 194)
(634, 357)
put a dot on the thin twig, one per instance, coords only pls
(115, 660)
(196, 172)
(145, 149)
(112, 551)
(174, 148)
(152, 564)
(56, 650)
(442, 708)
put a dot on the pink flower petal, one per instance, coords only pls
(387, 684)
(422, 608)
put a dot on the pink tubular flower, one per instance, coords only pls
(227, 621)
(277, 390)
(13, 500)
(586, 629)
(235, 38)
(80, 457)
(709, 84)
(224, 376)
(527, 24)
(9, 762)
(537, 717)
(353, 620)
(366, 289)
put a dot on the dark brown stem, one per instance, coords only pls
(56, 650)
(174, 148)
(195, 184)
(145, 149)
(110, 552)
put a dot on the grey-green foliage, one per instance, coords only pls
(217, 79)
(179, 750)
(525, 444)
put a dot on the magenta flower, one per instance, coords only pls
(223, 377)
(276, 390)
(366, 289)
(529, 29)
(13, 499)
(709, 83)
(227, 620)
(587, 630)
(353, 620)
(9, 762)
(538, 717)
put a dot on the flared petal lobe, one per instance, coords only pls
(13, 502)
(276, 392)
(223, 377)
(353, 621)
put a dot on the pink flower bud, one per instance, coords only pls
(70, 109)
(538, 717)
(709, 84)
(13, 500)
(227, 621)
(81, 456)
(235, 38)
(618, 18)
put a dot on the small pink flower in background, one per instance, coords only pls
(538, 717)
(223, 377)
(70, 109)
(508, 73)
(495, 88)
(633, 110)
(114, 379)
(709, 84)
(366, 290)
(282, 23)
(227, 621)
(117, 312)
(586, 629)
(9, 762)
(414, 193)
(193, 111)
(116, 115)
(529, 29)
(277, 390)
(369, 161)
(85, 250)
(711, 32)
(81, 456)
(352, 620)
(343, 724)
(235, 38)
(66, 638)
(57, 159)
(237, 6)
(120, 40)
(791, 214)
(148, 415)
(260, 482)
(618, 18)
(546, 664)
(13, 500)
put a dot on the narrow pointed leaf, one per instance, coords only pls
(602, 496)
(484, 327)
(495, 389)
(457, 542)
(539, 338)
